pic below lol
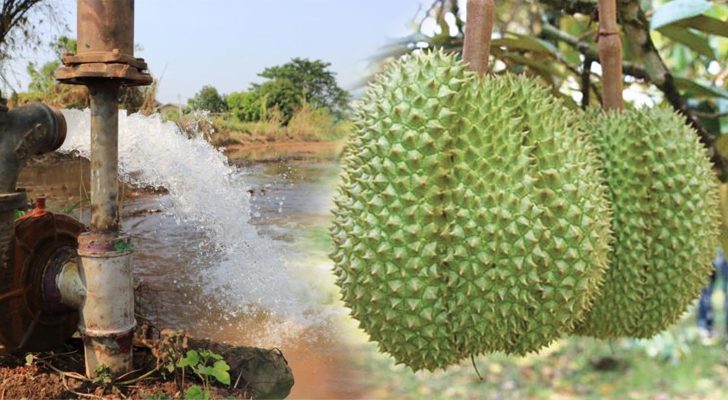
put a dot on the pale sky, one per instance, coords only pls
(225, 43)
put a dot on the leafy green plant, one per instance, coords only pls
(103, 376)
(206, 365)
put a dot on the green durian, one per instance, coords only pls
(665, 221)
(470, 216)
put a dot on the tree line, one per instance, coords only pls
(286, 88)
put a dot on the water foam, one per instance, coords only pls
(207, 193)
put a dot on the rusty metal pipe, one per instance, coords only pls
(26, 131)
(105, 26)
(105, 62)
(107, 313)
(104, 157)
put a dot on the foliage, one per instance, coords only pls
(313, 124)
(208, 99)
(281, 95)
(19, 20)
(245, 106)
(303, 88)
(42, 79)
(678, 55)
(312, 82)
(206, 365)
(103, 376)
(306, 124)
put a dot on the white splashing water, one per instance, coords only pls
(207, 193)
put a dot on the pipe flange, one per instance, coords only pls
(12, 201)
(106, 333)
(84, 74)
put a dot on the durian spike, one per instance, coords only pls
(610, 55)
(479, 27)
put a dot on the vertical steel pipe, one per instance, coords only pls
(104, 157)
(105, 62)
(105, 26)
(107, 313)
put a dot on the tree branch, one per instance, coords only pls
(637, 32)
(647, 65)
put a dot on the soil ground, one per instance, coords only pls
(59, 375)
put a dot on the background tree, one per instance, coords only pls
(678, 55)
(245, 106)
(283, 95)
(208, 99)
(308, 81)
(18, 28)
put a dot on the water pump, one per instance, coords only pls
(32, 246)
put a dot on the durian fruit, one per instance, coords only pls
(471, 215)
(664, 199)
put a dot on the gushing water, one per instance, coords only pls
(245, 270)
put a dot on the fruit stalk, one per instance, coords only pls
(609, 47)
(476, 47)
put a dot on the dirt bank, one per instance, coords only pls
(279, 151)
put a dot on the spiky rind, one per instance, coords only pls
(471, 215)
(534, 218)
(390, 210)
(664, 197)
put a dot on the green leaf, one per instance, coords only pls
(195, 392)
(526, 43)
(692, 40)
(191, 359)
(122, 245)
(706, 24)
(677, 10)
(220, 372)
(18, 213)
(699, 89)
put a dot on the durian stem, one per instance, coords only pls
(610, 55)
(478, 29)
